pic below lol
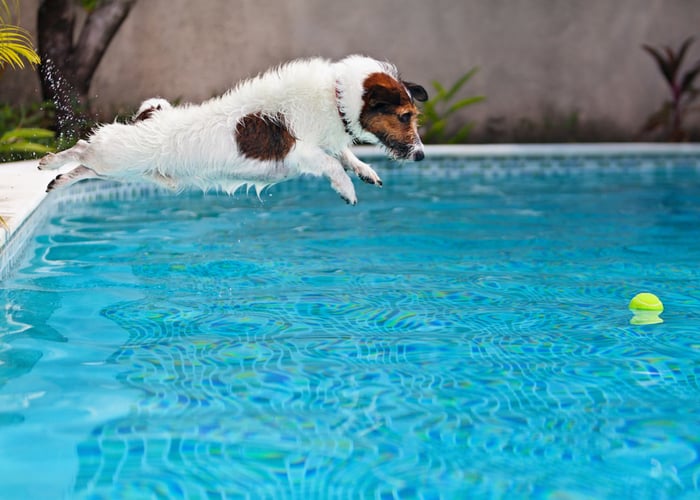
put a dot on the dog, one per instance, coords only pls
(299, 118)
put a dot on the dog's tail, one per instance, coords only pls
(148, 107)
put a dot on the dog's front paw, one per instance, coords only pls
(349, 201)
(372, 178)
(367, 173)
(345, 189)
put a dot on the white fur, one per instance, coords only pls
(155, 103)
(194, 145)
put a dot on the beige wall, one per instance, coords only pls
(541, 61)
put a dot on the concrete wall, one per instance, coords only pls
(551, 69)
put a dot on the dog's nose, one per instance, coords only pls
(418, 155)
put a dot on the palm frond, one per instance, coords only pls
(9, 12)
(15, 42)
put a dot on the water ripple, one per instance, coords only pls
(464, 334)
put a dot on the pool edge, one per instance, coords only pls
(22, 192)
(537, 150)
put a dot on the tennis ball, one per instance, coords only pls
(646, 302)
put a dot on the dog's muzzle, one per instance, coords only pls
(417, 152)
(403, 151)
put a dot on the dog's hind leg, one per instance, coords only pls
(52, 161)
(363, 171)
(75, 175)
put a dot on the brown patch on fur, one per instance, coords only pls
(389, 113)
(264, 138)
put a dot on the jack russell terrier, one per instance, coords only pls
(299, 118)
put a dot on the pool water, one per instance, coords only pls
(460, 333)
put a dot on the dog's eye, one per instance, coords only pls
(405, 117)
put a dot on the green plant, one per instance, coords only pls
(672, 113)
(24, 133)
(20, 142)
(15, 47)
(15, 42)
(438, 110)
(89, 5)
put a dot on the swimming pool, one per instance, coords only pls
(462, 332)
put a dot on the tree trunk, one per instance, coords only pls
(67, 68)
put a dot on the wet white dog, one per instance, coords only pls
(300, 118)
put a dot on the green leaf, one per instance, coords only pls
(689, 77)
(462, 134)
(24, 147)
(464, 103)
(89, 5)
(658, 119)
(23, 140)
(683, 49)
(435, 131)
(460, 83)
(27, 133)
(662, 63)
(429, 110)
(440, 92)
(439, 108)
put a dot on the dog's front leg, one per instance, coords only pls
(363, 171)
(314, 161)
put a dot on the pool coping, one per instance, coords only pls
(22, 185)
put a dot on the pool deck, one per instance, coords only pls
(22, 189)
(22, 185)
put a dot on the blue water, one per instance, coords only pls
(460, 333)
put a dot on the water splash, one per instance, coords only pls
(66, 102)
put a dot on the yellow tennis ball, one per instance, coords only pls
(646, 302)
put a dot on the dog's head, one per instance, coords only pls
(379, 107)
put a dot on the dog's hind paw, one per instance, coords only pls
(77, 174)
(54, 184)
(46, 161)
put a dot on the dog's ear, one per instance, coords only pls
(417, 91)
(379, 96)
